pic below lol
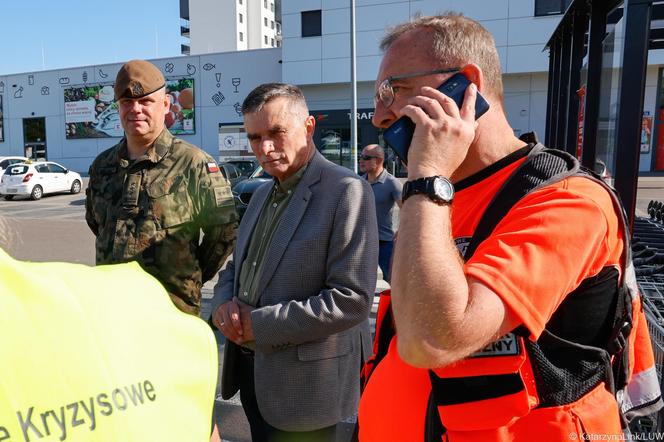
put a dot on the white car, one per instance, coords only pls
(8, 161)
(36, 179)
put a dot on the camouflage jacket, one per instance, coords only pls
(152, 210)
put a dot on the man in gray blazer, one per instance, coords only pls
(294, 301)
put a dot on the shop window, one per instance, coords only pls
(311, 23)
(550, 7)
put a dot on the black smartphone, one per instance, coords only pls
(399, 135)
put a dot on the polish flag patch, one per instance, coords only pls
(212, 167)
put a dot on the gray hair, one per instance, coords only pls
(456, 40)
(267, 92)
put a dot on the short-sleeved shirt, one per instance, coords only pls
(546, 245)
(387, 191)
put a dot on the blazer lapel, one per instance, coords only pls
(249, 221)
(290, 220)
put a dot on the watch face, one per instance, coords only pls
(443, 189)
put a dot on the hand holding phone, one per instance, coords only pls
(400, 134)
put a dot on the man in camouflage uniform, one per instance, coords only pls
(150, 195)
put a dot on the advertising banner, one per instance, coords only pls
(91, 112)
(646, 132)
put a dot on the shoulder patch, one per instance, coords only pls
(212, 167)
(223, 196)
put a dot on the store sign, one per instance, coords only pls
(232, 137)
(362, 115)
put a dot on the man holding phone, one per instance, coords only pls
(489, 349)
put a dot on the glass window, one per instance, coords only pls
(272, 24)
(240, 17)
(42, 168)
(272, 7)
(17, 170)
(550, 7)
(311, 23)
(265, 21)
(265, 37)
(265, 4)
(241, 37)
(240, 1)
(272, 41)
(56, 169)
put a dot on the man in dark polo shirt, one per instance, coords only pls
(387, 193)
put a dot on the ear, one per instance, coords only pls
(310, 126)
(474, 73)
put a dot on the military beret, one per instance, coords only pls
(138, 78)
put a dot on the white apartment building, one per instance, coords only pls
(228, 25)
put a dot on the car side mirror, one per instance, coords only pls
(66, 170)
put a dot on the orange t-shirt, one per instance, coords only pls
(548, 243)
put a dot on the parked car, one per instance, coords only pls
(36, 179)
(231, 173)
(244, 190)
(8, 161)
(245, 165)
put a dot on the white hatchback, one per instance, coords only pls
(36, 179)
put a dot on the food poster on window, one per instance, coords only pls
(180, 118)
(91, 111)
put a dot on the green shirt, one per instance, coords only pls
(268, 220)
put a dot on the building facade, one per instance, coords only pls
(41, 109)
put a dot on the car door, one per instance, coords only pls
(58, 177)
(43, 177)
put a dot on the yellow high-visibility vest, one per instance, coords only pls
(100, 354)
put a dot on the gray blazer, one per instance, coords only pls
(316, 291)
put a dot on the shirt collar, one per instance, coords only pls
(154, 154)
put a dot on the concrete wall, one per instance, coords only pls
(214, 26)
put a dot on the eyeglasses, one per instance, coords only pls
(385, 93)
(367, 157)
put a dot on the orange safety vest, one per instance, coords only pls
(544, 379)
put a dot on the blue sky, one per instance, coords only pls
(84, 32)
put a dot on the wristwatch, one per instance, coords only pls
(438, 188)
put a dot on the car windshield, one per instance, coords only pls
(244, 166)
(16, 170)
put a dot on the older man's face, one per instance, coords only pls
(280, 136)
